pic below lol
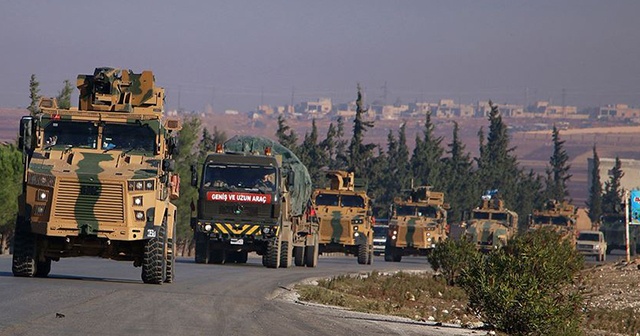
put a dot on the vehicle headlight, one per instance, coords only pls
(38, 210)
(356, 221)
(149, 185)
(356, 234)
(207, 227)
(395, 233)
(597, 247)
(137, 201)
(139, 215)
(41, 180)
(355, 228)
(42, 195)
(266, 230)
(429, 239)
(393, 237)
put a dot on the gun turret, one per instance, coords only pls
(115, 90)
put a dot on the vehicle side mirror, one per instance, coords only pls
(172, 146)
(194, 176)
(27, 139)
(169, 165)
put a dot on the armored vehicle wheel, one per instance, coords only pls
(24, 254)
(202, 249)
(43, 268)
(218, 256)
(171, 258)
(370, 255)
(363, 254)
(153, 263)
(311, 254)
(388, 253)
(285, 254)
(397, 256)
(271, 258)
(298, 255)
(603, 257)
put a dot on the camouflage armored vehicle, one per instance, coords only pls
(99, 178)
(557, 216)
(344, 212)
(491, 225)
(417, 223)
(254, 196)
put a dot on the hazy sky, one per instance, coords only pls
(236, 54)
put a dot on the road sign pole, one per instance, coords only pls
(626, 222)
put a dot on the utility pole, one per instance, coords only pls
(626, 221)
(564, 95)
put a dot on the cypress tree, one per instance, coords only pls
(64, 95)
(558, 170)
(594, 203)
(613, 193)
(460, 185)
(359, 152)
(312, 154)
(426, 160)
(34, 95)
(289, 139)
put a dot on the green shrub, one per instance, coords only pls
(526, 287)
(450, 257)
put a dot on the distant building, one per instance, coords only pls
(618, 111)
(316, 108)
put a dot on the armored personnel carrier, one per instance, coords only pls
(254, 196)
(417, 223)
(99, 178)
(557, 216)
(491, 225)
(344, 212)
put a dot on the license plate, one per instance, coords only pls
(237, 241)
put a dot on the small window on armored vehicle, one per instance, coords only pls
(559, 221)
(541, 220)
(352, 201)
(480, 215)
(327, 200)
(589, 236)
(403, 210)
(134, 138)
(500, 216)
(428, 211)
(76, 134)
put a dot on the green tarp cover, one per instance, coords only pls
(302, 188)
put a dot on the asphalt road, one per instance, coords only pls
(91, 296)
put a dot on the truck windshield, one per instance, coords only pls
(499, 216)
(555, 220)
(352, 201)
(327, 199)
(58, 134)
(589, 236)
(240, 177)
(404, 210)
(480, 215)
(129, 137)
(428, 211)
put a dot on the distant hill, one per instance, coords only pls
(10, 122)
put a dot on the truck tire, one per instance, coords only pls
(242, 257)
(389, 253)
(285, 255)
(298, 255)
(153, 262)
(311, 254)
(202, 249)
(397, 256)
(363, 254)
(43, 268)
(171, 257)
(24, 254)
(271, 258)
(370, 255)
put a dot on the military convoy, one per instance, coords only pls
(99, 178)
(557, 216)
(254, 196)
(344, 212)
(491, 225)
(417, 223)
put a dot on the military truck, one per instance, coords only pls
(558, 216)
(254, 195)
(417, 223)
(98, 178)
(344, 212)
(491, 225)
(612, 225)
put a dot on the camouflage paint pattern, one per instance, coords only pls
(88, 190)
(491, 225)
(342, 226)
(557, 216)
(410, 231)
